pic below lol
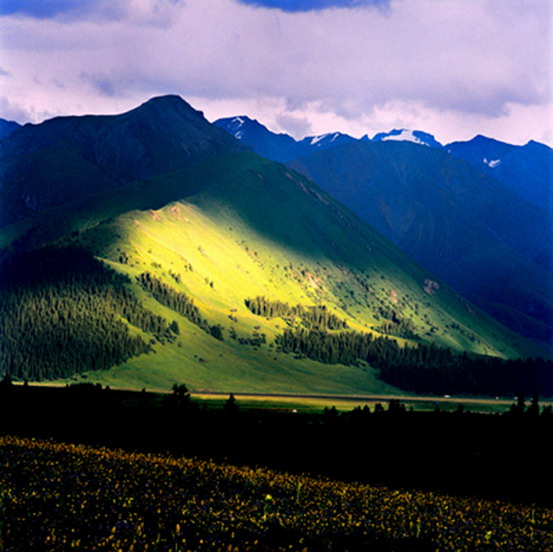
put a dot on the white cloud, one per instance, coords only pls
(297, 127)
(463, 62)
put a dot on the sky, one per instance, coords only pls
(454, 68)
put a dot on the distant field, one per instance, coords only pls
(317, 403)
(344, 403)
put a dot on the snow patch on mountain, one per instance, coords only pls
(404, 136)
(235, 127)
(329, 137)
(317, 139)
(492, 163)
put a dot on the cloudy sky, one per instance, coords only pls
(455, 68)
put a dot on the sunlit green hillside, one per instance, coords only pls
(248, 228)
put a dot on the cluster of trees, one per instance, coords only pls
(519, 408)
(477, 375)
(256, 340)
(63, 312)
(402, 328)
(396, 325)
(317, 317)
(423, 368)
(179, 302)
(335, 348)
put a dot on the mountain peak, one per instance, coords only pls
(241, 125)
(481, 150)
(480, 138)
(168, 105)
(167, 101)
(533, 144)
(278, 147)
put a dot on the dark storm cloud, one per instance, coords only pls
(47, 9)
(103, 85)
(78, 9)
(312, 5)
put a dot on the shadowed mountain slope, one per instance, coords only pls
(473, 232)
(67, 158)
(527, 170)
(7, 127)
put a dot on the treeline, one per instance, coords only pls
(335, 348)
(423, 368)
(478, 375)
(317, 317)
(179, 302)
(396, 324)
(63, 312)
(402, 328)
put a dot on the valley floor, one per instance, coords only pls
(318, 402)
(347, 402)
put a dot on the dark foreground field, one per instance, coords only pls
(409, 480)
(489, 455)
(72, 497)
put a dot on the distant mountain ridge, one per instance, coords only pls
(527, 170)
(481, 151)
(283, 148)
(278, 147)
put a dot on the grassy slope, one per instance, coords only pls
(227, 241)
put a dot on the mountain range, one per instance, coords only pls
(477, 214)
(152, 247)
